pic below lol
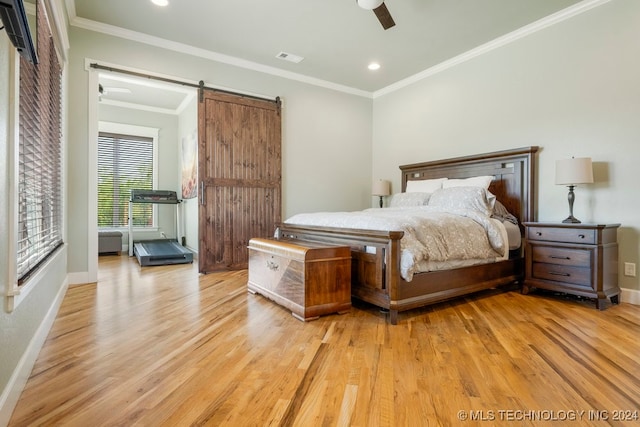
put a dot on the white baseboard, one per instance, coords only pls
(80, 278)
(18, 380)
(631, 296)
(195, 251)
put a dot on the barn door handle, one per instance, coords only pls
(202, 193)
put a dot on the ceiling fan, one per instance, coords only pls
(381, 11)
(102, 90)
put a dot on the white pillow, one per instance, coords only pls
(476, 181)
(467, 197)
(424, 185)
(402, 200)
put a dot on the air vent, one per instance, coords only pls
(289, 57)
(14, 21)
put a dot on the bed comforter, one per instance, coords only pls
(431, 233)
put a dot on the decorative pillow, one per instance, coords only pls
(424, 185)
(455, 198)
(402, 200)
(476, 181)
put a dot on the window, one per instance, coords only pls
(125, 162)
(40, 221)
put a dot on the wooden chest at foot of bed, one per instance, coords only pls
(310, 279)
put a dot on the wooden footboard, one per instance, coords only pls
(375, 258)
(375, 275)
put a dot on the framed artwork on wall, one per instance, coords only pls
(189, 166)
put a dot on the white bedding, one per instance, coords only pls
(432, 234)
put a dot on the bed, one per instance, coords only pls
(376, 254)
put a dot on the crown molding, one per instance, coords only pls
(525, 31)
(57, 14)
(123, 33)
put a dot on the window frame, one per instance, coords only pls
(13, 291)
(140, 131)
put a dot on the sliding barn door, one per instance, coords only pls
(239, 166)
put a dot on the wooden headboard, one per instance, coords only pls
(513, 171)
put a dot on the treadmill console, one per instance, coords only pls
(154, 196)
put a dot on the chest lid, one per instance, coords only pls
(300, 250)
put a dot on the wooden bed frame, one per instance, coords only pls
(376, 276)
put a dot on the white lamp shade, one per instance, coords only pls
(381, 187)
(574, 171)
(370, 4)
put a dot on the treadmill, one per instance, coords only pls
(159, 251)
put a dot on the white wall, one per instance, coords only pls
(571, 88)
(187, 127)
(326, 135)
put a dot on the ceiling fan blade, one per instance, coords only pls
(117, 89)
(384, 16)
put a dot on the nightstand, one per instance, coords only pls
(579, 259)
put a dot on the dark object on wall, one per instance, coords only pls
(14, 19)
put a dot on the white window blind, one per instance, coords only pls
(40, 221)
(125, 162)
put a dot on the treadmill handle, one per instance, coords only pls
(202, 193)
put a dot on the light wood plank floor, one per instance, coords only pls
(163, 346)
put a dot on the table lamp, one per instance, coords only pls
(571, 172)
(381, 188)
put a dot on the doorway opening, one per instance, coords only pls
(167, 113)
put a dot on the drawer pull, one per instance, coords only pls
(559, 257)
(538, 233)
(272, 266)
(553, 273)
(582, 236)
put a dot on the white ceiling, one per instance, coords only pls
(337, 38)
(134, 92)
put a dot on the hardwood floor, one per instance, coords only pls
(163, 346)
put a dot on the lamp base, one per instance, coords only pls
(571, 197)
(571, 220)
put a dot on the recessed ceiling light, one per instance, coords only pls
(160, 2)
(373, 66)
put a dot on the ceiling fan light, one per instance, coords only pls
(370, 4)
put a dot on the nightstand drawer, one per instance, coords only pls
(562, 273)
(561, 256)
(564, 235)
